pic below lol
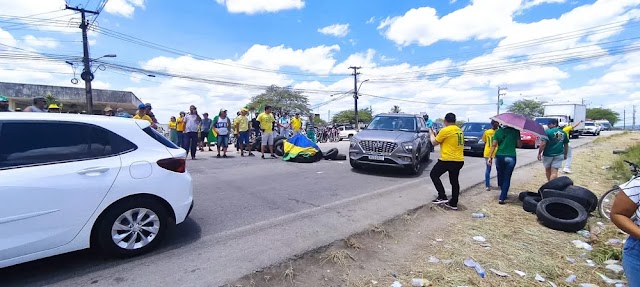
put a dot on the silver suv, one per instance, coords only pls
(392, 140)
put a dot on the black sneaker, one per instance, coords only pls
(501, 202)
(273, 156)
(439, 201)
(449, 206)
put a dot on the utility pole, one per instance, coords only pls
(87, 76)
(624, 119)
(355, 93)
(500, 94)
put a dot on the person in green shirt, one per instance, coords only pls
(553, 149)
(505, 139)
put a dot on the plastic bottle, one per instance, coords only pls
(571, 279)
(479, 270)
(478, 215)
(418, 282)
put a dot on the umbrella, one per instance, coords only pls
(521, 123)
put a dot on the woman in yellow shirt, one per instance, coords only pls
(180, 129)
(173, 133)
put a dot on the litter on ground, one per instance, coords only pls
(581, 244)
(520, 273)
(499, 273)
(479, 238)
(539, 278)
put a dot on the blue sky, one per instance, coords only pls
(424, 56)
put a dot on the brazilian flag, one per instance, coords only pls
(300, 149)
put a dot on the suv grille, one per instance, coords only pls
(378, 146)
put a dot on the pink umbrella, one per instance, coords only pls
(521, 123)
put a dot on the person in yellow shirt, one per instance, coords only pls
(266, 120)
(487, 138)
(142, 115)
(173, 134)
(451, 141)
(567, 129)
(241, 124)
(296, 124)
(180, 129)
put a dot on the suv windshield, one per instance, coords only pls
(475, 127)
(589, 124)
(393, 123)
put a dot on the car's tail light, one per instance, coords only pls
(178, 165)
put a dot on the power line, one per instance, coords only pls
(428, 103)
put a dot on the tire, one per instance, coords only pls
(559, 183)
(605, 202)
(278, 147)
(341, 157)
(105, 227)
(561, 214)
(530, 203)
(583, 192)
(354, 164)
(278, 138)
(331, 154)
(525, 194)
(586, 203)
(256, 145)
(415, 168)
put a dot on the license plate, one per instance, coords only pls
(467, 148)
(376, 157)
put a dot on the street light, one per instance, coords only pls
(106, 56)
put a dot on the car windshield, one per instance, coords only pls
(393, 123)
(589, 124)
(475, 127)
(544, 121)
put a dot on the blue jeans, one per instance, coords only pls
(487, 175)
(631, 261)
(505, 166)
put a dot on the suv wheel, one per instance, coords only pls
(354, 164)
(132, 227)
(415, 167)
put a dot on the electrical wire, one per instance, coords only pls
(429, 103)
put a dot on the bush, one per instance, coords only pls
(620, 169)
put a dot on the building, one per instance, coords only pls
(73, 100)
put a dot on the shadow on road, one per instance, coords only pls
(393, 172)
(58, 268)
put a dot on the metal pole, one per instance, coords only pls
(86, 75)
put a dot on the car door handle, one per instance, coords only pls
(93, 171)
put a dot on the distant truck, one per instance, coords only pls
(565, 113)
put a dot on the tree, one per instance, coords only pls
(527, 108)
(51, 100)
(348, 116)
(459, 123)
(282, 100)
(439, 120)
(603, 114)
(395, 110)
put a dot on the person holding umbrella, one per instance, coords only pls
(505, 140)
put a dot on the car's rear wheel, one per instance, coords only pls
(132, 227)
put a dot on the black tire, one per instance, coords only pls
(415, 168)
(559, 183)
(583, 192)
(354, 164)
(561, 214)
(530, 203)
(341, 157)
(278, 138)
(108, 218)
(331, 154)
(586, 203)
(278, 147)
(525, 194)
(256, 144)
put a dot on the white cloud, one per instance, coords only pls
(338, 30)
(42, 42)
(251, 7)
(124, 8)
(532, 3)
(371, 20)
(317, 60)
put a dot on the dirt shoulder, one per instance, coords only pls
(432, 243)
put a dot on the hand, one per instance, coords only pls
(489, 161)
(539, 157)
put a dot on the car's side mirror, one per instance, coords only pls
(424, 130)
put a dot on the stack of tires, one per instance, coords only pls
(332, 154)
(560, 205)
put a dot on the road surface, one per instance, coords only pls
(251, 213)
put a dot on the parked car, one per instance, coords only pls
(529, 140)
(392, 140)
(109, 183)
(346, 132)
(592, 128)
(605, 124)
(473, 132)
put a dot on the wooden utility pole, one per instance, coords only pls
(87, 76)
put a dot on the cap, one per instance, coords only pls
(53, 106)
(223, 110)
(3, 99)
(142, 106)
(148, 105)
(108, 109)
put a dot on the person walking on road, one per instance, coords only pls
(504, 143)
(241, 124)
(296, 124)
(267, 121)
(489, 153)
(191, 122)
(451, 140)
(221, 125)
(554, 149)
(567, 129)
(625, 206)
(204, 131)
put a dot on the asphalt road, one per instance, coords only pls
(250, 213)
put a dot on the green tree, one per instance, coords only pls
(459, 123)
(50, 99)
(603, 114)
(439, 120)
(364, 116)
(282, 100)
(395, 110)
(527, 108)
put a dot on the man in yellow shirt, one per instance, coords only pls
(266, 120)
(567, 129)
(296, 124)
(142, 115)
(451, 141)
(180, 129)
(487, 138)
(241, 124)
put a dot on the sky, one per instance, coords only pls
(421, 55)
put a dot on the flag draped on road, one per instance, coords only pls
(300, 149)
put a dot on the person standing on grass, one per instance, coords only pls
(267, 122)
(204, 131)
(173, 133)
(489, 153)
(221, 125)
(241, 124)
(553, 149)
(504, 143)
(567, 129)
(625, 206)
(451, 160)
(191, 122)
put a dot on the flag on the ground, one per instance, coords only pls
(300, 149)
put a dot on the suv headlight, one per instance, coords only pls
(407, 146)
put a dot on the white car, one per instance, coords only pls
(346, 132)
(71, 182)
(592, 128)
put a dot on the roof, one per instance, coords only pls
(399, 115)
(91, 119)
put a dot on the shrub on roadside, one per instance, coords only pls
(620, 169)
